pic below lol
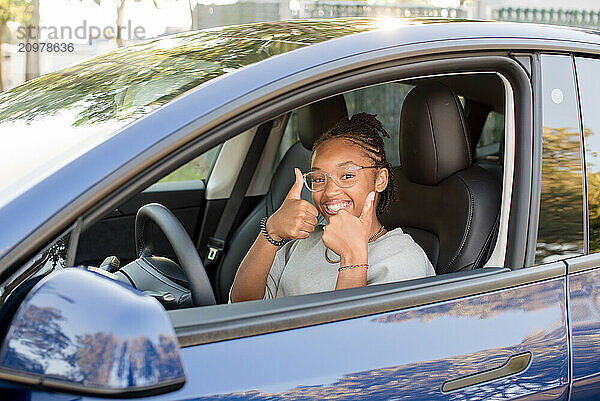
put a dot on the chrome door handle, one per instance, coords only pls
(515, 364)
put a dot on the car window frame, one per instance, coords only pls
(230, 321)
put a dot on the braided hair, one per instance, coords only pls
(365, 130)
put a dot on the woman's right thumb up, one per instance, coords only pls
(296, 189)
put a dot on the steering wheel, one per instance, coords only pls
(201, 290)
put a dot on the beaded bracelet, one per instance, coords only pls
(365, 265)
(263, 229)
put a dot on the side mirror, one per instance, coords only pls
(78, 331)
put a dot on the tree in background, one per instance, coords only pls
(192, 18)
(119, 21)
(11, 11)
(32, 59)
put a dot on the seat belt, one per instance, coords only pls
(217, 243)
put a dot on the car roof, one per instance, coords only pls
(306, 43)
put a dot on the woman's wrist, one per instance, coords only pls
(351, 274)
(355, 256)
(271, 230)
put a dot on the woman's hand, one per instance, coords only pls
(348, 235)
(296, 218)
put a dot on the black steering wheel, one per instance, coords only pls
(201, 290)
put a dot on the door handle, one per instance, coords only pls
(515, 364)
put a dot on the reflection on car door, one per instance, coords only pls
(504, 344)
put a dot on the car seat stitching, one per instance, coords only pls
(484, 250)
(432, 139)
(464, 130)
(469, 220)
(140, 237)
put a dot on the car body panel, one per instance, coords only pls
(584, 272)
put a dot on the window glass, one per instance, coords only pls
(560, 227)
(385, 101)
(290, 137)
(490, 141)
(53, 257)
(493, 129)
(197, 169)
(589, 88)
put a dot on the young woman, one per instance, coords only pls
(351, 183)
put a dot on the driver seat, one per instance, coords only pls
(313, 120)
(450, 206)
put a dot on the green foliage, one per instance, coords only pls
(14, 10)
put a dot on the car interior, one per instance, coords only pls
(446, 147)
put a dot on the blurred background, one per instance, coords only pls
(39, 36)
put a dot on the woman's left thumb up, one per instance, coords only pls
(366, 213)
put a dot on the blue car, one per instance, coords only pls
(133, 184)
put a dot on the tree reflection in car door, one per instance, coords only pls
(408, 354)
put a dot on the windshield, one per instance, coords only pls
(50, 121)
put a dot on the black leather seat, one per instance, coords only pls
(446, 203)
(313, 120)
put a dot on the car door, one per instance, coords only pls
(584, 272)
(500, 345)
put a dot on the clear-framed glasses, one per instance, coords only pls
(345, 177)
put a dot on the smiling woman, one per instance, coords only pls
(363, 252)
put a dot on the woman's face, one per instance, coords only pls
(333, 157)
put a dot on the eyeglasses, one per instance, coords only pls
(346, 177)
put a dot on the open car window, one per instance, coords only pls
(385, 100)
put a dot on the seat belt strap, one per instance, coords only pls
(217, 243)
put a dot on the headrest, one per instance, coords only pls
(434, 139)
(318, 117)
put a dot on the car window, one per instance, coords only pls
(53, 257)
(560, 226)
(589, 87)
(389, 97)
(196, 169)
(385, 101)
(489, 145)
(290, 137)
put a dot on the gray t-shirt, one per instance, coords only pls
(300, 266)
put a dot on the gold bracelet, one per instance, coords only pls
(365, 265)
